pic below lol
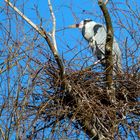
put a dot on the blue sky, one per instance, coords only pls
(73, 11)
(68, 12)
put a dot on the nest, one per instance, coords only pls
(87, 104)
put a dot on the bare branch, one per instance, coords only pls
(101, 1)
(38, 96)
(108, 46)
(106, 2)
(43, 33)
(54, 24)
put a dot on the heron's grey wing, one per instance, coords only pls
(100, 38)
(117, 56)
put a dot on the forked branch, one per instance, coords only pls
(45, 35)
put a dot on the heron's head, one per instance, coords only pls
(81, 24)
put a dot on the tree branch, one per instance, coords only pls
(108, 46)
(45, 35)
(106, 2)
(54, 24)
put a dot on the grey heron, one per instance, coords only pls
(95, 34)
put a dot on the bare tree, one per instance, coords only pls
(45, 94)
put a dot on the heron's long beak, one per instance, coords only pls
(68, 27)
(74, 26)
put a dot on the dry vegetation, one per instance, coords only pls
(88, 104)
(39, 99)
